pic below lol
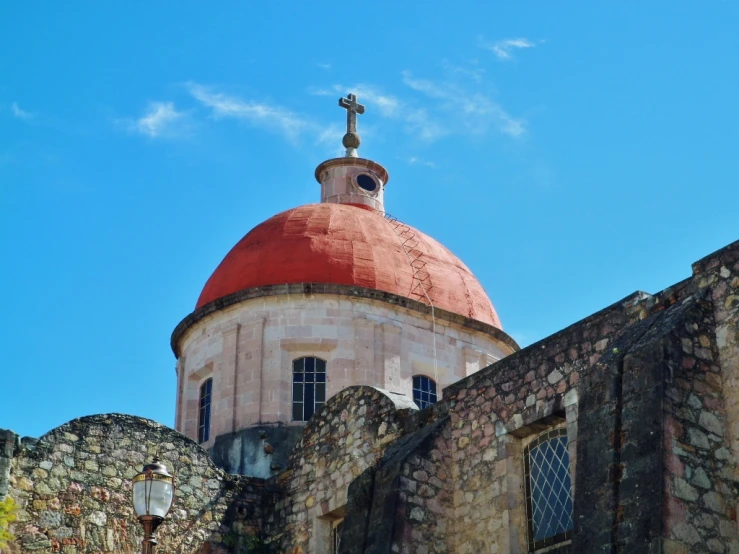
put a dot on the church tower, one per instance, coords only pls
(319, 298)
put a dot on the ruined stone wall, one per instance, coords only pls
(348, 436)
(646, 390)
(631, 401)
(424, 506)
(719, 274)
(699, 467)
(73, 487)
(495, 410)
(638, 388)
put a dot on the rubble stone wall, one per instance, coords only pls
(347, 437)
(647, 390)
(699, 469)
(73, 487)
(633, 383)
(494, 411)
(719, 275)
(425, 495)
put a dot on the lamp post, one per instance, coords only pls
(153, 493)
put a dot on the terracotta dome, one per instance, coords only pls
(347, 245)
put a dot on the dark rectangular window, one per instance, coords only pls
(204, 411)
(424, 391)
(309, 387)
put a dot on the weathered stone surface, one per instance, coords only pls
(83, 504)
(646, 392)
(685, 491)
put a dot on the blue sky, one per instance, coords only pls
(568, 153)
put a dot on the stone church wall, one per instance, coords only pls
(646, 390)
(73, 487)
(718, 275)
(416, 473)
(494, 411)
(341, 442)
(639, 388)
(699, 491)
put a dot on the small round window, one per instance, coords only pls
(367, 182)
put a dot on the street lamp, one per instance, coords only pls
(153, 493)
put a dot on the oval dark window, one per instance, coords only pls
(366, 182)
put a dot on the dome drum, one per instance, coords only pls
(248, 349)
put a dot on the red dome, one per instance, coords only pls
(347, 245)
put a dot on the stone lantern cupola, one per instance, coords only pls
(351, 179)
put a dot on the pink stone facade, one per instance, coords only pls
(248, 349)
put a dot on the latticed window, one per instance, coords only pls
(204, 411)
(309, 387)
(424, 391)
(548, 489)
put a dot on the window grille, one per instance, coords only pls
(204, 411)
(548, 489)
(309, 387)
(424, 391)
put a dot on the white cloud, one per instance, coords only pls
(224, 106)
(421, 124)
(503, 49)
(413, 160)
(452, 109)
(326, 66)
(425, 86)
(330, 136)
(20, 113)
(473, 110)
(387, 104)
(472, 71)
(161, 119)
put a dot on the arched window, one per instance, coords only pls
(548, 489)
(424, 391)
(309, 387)
(204, 410)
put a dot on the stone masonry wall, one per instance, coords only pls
(618, 382)
(698, 489)
(425, 495)
(719, 274)
(74, 492)
(348, 436)
(493, 410)
(646, 389)
(402, 504)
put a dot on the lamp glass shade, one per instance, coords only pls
(153, 497)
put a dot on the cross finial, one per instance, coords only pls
(351, 138)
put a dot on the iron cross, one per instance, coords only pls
(352, 108)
